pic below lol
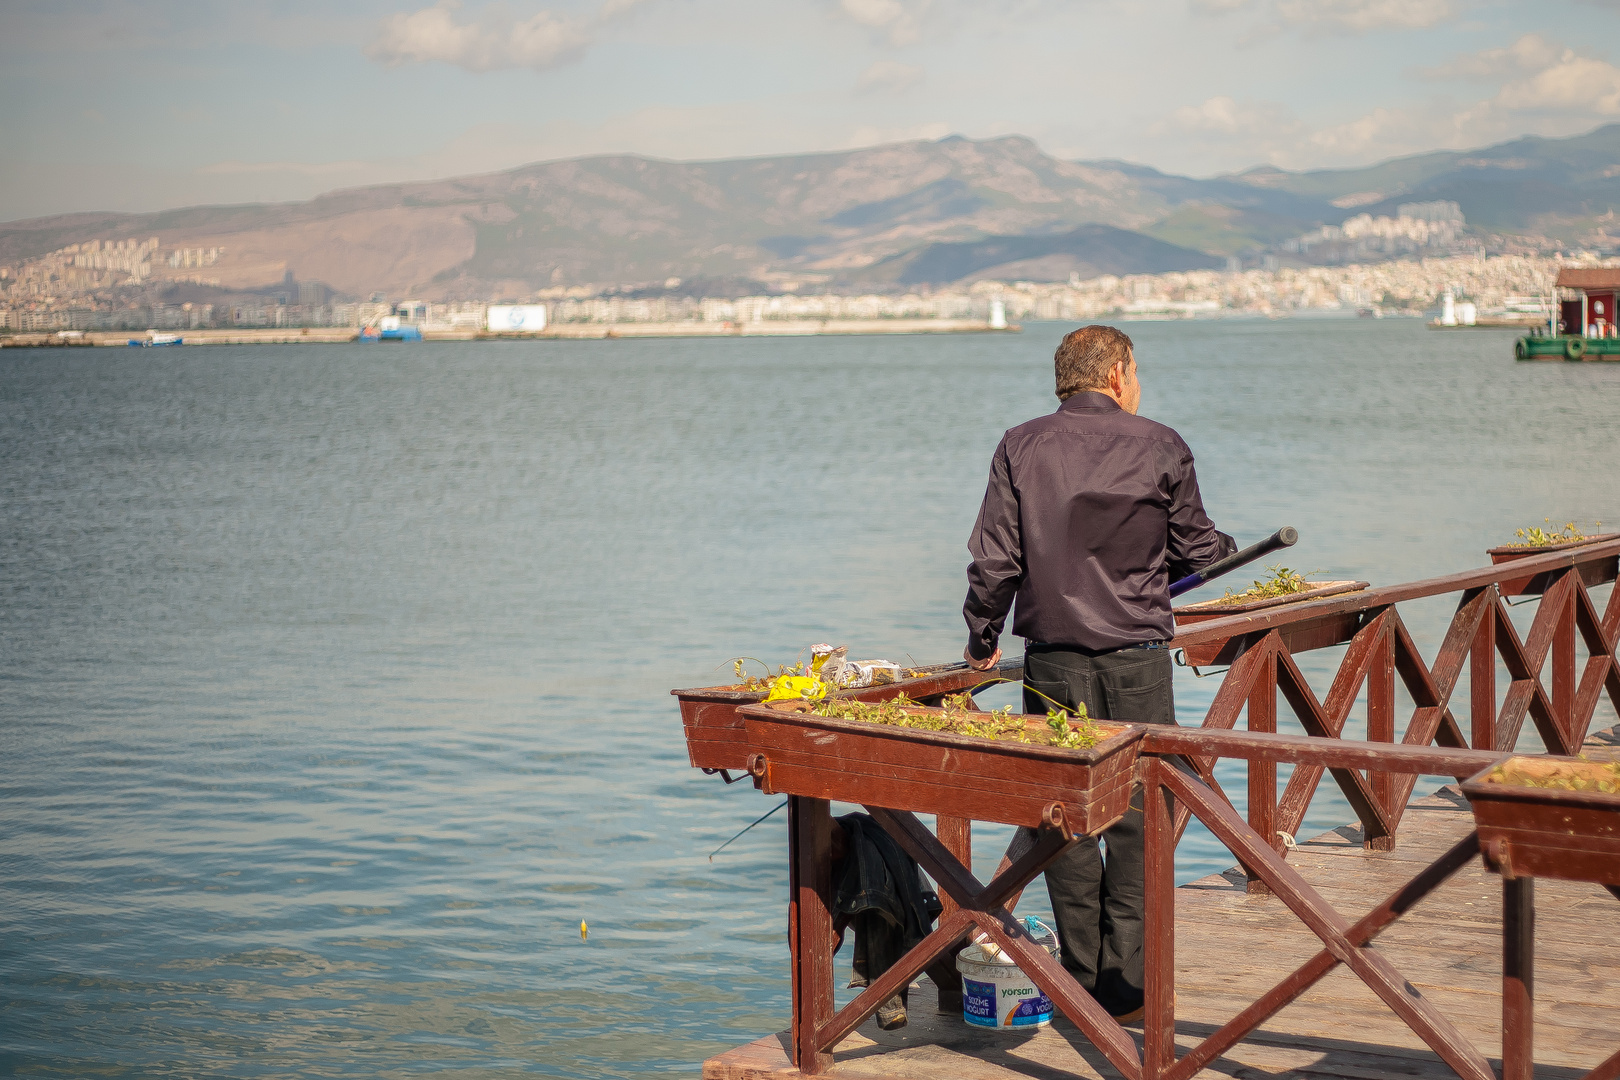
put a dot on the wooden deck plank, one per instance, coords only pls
(1231, 947)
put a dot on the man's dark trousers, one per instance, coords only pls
(1098, 903)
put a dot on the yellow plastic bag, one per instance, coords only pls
(796, 688)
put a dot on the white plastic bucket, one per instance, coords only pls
(995, 991)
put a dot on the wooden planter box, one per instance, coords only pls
(1210, 653)
(1547, 832)
(714, 732)
(931, 772)
(714, 727)
(1528, 586)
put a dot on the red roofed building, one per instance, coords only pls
(1587, 325)
(1586, 301)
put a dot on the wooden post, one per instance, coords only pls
(956, 834)
(1518, 987)
(1381, 728)
(1482, 679)
(1563, 669)
(1159, 926)
(810, 927)
(1263, 774)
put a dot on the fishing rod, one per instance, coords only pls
(1287, 536)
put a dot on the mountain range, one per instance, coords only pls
(903, 214)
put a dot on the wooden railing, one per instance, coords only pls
(1168, 789)
(987, 908)
(1176, 768)
(1261, 647)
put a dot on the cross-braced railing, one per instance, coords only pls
(1261, 647)
(1177, 771)
(1169, 785)
(1343, 942)
(817, 1029)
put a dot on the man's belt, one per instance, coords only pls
(1122, 648)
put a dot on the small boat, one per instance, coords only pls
(1581, 322)
(154, 339)
(391, 329)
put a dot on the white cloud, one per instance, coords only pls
(1227, 116)
(1362, 15)
(1570, 84)
(1543, 86)
(1356, 16)
(888, 75)
(1381, 133)
(543, 41)
(613, 9)
(1540, 76)
(896, 22)
(872, 135)
(1532, 52)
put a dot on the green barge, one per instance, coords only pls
(1565, 347)
(1585, 327)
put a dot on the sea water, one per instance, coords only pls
(333, 679)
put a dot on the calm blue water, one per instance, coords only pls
(333, 679)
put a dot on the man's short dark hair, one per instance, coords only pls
(1085, 358)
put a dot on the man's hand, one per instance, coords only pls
(982, 665)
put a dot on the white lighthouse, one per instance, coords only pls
(1448, 309)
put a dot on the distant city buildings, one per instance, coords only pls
(1415, 226)
(108, 285)
(184, 258)
(80, 269)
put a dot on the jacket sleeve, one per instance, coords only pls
(998, 560)
(1194, 541)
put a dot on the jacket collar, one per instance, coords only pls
(1089, 399)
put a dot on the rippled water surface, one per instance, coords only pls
(333, 679)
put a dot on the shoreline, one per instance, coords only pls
(335, 335)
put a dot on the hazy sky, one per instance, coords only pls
(146, 105)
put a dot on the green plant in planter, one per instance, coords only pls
(957, 716)
(1582, 775)
(1282, 582)
(1536, 536)
(757, 682)
(1077, 738)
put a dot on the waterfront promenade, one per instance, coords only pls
(1231, 945)
(1254, 961)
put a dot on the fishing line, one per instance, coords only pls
(756, 821)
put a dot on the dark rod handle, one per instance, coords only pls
(1287, 536)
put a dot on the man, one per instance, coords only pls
(1089, 515)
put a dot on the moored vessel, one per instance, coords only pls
(153, 339)
(1582, 324)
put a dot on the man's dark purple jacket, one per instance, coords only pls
(1090, 513)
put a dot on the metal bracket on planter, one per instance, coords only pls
(724, 775)
(1180, 657)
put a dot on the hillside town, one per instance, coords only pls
(1501, 286)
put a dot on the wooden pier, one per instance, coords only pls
(1387, 948)
(1448, 947)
